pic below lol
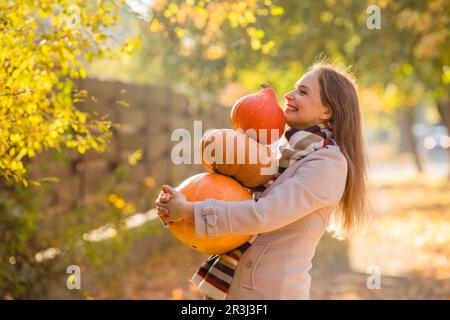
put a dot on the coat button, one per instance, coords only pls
(249, 264)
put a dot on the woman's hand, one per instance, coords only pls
(172, 206)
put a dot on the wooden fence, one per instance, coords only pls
(146, 124)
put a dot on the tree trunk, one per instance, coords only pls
(444, 111)
(411, 144)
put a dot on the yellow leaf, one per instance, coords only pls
(156, 26)
(256, 44)
(277, 11)
(123, 103)
(82, 73)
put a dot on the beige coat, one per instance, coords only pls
(289, 218)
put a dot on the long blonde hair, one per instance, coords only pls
(338, 92)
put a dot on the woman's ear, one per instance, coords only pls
(326, 114)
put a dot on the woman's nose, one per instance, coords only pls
(287, 96)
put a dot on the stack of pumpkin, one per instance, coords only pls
(234, 159)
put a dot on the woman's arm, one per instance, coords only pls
(318, 183)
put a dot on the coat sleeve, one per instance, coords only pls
(317, 183)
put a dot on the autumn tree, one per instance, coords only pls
(44, 47)
(203, 46)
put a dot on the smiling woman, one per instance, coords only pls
(304, 107)
(321, 172)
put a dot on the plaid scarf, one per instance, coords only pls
(296, 144)
(215, 275)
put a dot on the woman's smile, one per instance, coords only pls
(290, 108)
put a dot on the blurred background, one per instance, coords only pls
(91, 91)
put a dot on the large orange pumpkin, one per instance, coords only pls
(209, 186)
(232, 153)
(259, 111)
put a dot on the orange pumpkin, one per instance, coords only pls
(232, 153)
(209, 186)
(259, 111)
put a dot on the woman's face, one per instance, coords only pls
(304, 107)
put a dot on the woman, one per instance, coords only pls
(292, 214)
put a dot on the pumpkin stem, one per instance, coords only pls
(264, 85)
